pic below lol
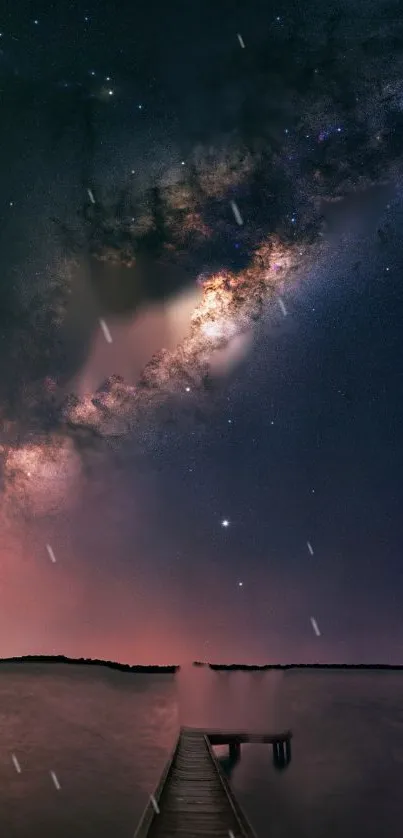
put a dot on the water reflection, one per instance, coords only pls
(236, 700)
(108, 735)
(105, 734)
(228, 763)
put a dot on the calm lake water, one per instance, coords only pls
(107, 736)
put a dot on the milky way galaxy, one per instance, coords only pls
(160, 233)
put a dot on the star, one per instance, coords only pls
(225, 522)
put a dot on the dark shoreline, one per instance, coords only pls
(121, 667)
(255, 668)
(216, 667)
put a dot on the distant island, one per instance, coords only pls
(255, 668)
(216, 667)
(121, 667)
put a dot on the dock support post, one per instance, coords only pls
(278, 754)
(234, 751)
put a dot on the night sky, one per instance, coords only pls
(201, 331)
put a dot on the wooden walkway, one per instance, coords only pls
(193, 798)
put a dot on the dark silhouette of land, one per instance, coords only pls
(121, 667)
(174, 668)
(246, 667)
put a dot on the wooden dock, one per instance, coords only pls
(193, 798)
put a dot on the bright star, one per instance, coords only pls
(225, 523)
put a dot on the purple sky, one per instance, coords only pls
(302, 443)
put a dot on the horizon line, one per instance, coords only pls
(175, 667)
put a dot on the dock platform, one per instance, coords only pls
(193, 798)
